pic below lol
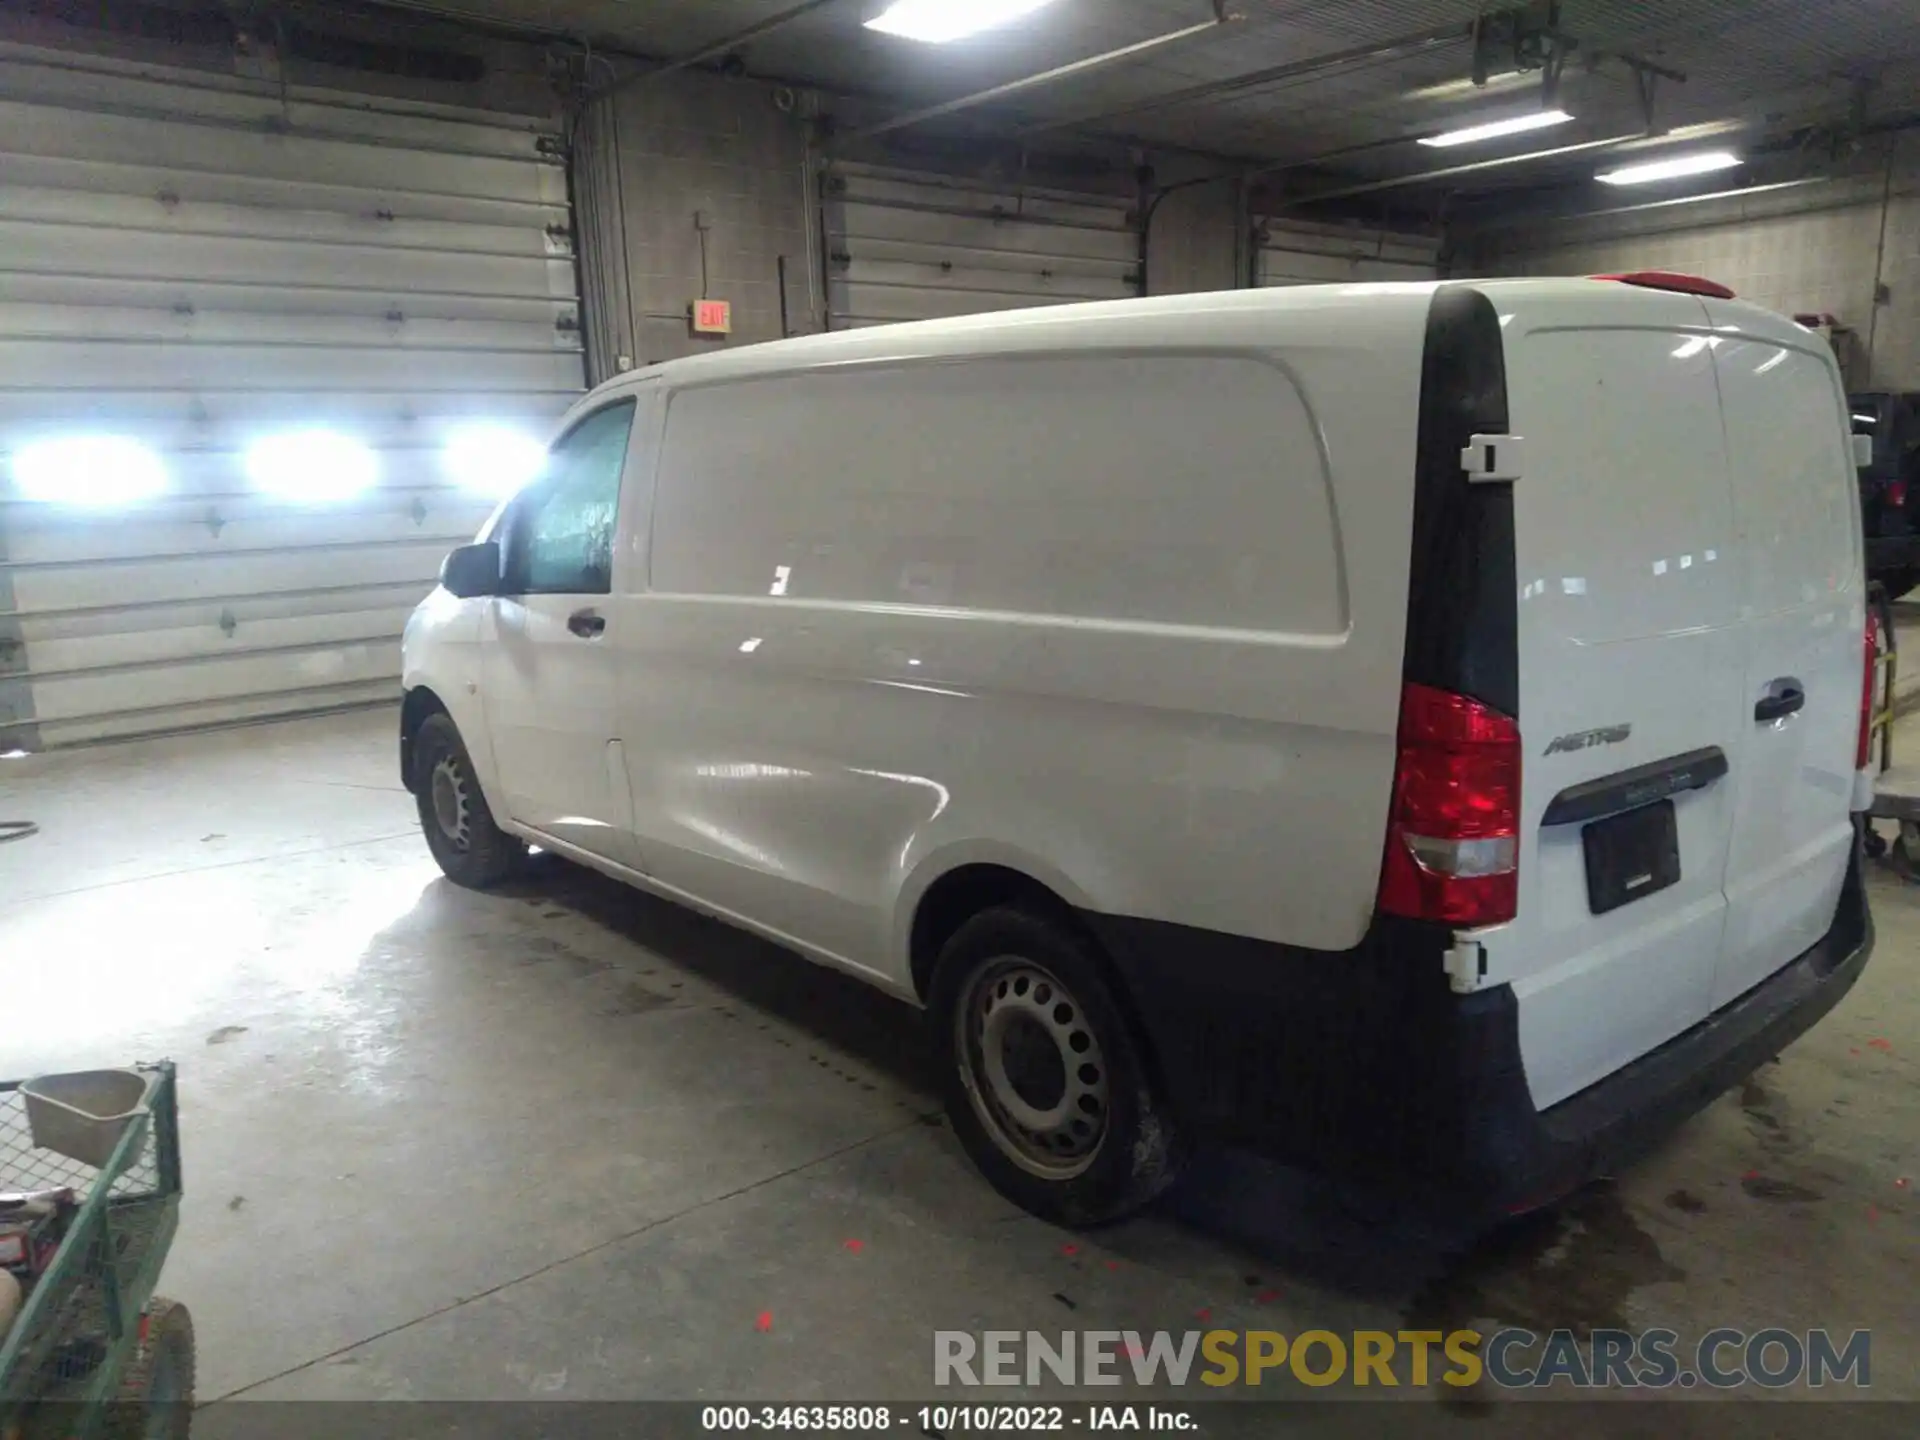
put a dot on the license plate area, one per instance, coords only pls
(1631, 856)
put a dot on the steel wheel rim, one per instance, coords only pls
(1048, 1113)
(451, 810)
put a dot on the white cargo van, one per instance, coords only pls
(1411, 729)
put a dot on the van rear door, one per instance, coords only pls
(1632, 674)
(1803, 594)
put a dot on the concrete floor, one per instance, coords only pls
(570, 1142)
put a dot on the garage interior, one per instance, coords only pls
(570, 1142)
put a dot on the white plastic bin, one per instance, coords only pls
(83, 1115)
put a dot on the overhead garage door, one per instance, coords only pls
(192, 270)
(906, 245)
(1303, 254)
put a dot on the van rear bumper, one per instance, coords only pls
(1363, 1063)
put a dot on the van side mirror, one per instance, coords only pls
(1862, 451)
(472, 571)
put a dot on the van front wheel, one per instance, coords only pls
(1045, 1083)
(471, 849)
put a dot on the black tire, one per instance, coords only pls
(471, 849)
(1898, 582)
(155, 1401)
(1067, 1011)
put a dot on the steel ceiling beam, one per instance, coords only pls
(1221, 17)
(1274, 75)
(1548, 217)
(720, 48)
(1421, 177)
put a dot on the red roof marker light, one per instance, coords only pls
(1671, 280)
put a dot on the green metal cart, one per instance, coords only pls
(92, 1351)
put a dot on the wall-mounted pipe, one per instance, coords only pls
(1874, 304)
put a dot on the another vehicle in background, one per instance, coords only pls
(1887, 499)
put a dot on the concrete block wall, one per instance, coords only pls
(1809, 251)
(697, 147)
(1194, 246)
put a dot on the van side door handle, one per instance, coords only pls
(1782, 703)
(587, 624)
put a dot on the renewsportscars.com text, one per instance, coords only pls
(1654, 1359)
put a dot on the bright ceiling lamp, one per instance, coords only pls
(312, 465)
(88, 470)
(493, 460)
(938, 21)
(1494, 129)
(1460, 89)
(1704, 163)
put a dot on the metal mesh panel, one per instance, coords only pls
(26, 1167)
(94, 1260)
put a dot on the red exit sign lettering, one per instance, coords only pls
(712, 317)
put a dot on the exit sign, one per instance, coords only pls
(713, 317)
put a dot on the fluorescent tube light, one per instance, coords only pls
(939, 21)
(1704, 163)
(1460, 89)
(1494, 129)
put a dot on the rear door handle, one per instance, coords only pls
(1780, 704)
(587, 624)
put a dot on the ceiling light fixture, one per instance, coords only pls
(1704, 163)
(938, 21)
(1460, 89)
(1681, 134)
(492, 460)
(312, 465)
(1495, 129)
(89, 470)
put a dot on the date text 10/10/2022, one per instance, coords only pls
(946, 1419)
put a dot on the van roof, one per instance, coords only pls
(986, 333)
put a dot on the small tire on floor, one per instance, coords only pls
(1899, 582)
(155, 1399)
(482, 855)
(1138, 1154)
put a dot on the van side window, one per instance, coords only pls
(559, 538)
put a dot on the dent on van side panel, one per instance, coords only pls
(1135, 615)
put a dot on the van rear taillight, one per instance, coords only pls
(1453, 837)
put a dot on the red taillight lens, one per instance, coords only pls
(1864, 753)
(1453, 838)
(1897, 494)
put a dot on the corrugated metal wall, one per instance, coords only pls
(1296, 253)
(907, 245)
(196, 262)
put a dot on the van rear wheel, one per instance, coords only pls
(471, 849)
(1046, 1084)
